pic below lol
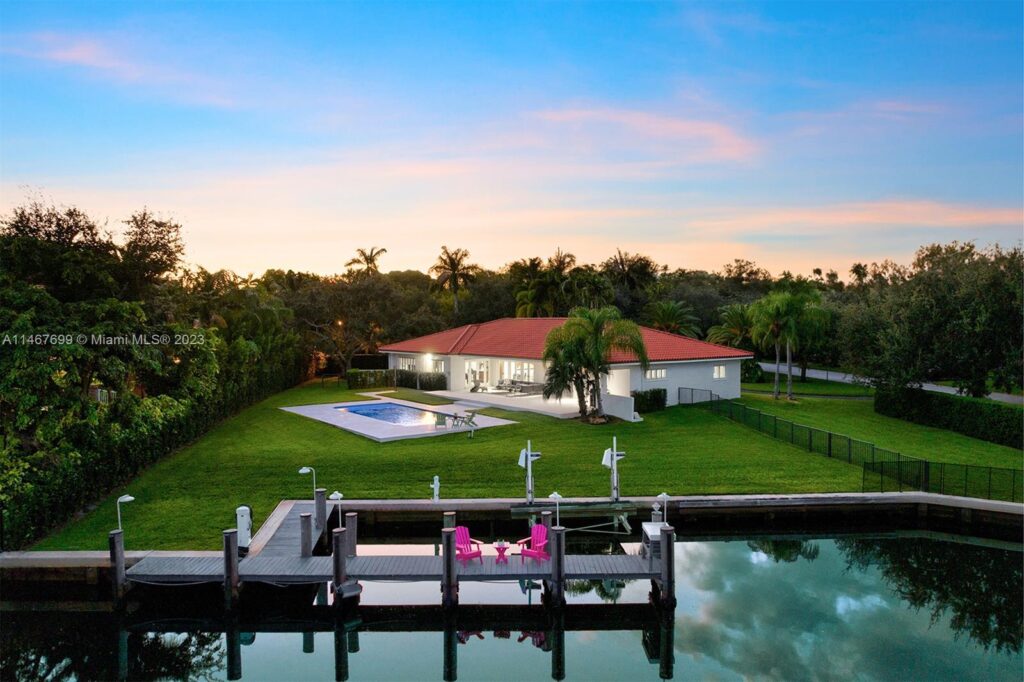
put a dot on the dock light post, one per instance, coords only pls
(335, 497)
(436, 487)
(526, 459)
(664, 497)
(310, 470)
(125, 499)
(611, 459)
(556, 497)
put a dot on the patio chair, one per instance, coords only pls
(464, 545)
(440, 420)
(469, 422)
(537, 542)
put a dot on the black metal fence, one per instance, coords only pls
(884, 470)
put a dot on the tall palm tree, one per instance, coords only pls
(366, 260)
(674, 317)
(774, 324)
(454, 273)
(599, 332)
(588, 288)
(564, 357)
(735, 327)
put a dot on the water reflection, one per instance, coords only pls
(779, 608)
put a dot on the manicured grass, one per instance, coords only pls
(417, 396)
(810, 386)
(186, 500)
(858, 419)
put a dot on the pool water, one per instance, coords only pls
(392, 413)
(865, 608)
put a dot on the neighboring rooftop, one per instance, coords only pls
(523, 337)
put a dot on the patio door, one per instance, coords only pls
(477, 373)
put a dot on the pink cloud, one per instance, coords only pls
(699, 139)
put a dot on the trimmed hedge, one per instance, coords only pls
(995, 422)
(425, 381)
(650, 400)
(369, 378)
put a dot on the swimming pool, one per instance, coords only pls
(392, 413)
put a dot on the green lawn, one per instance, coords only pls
(857, 418)
(811, 386)
(417, 396)
(187, 499)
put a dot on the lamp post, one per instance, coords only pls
(310, 470)
(526, 459)
(125, 499)
(664, 497)
(611, 459)
(556, 497)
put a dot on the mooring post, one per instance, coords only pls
(449, 520)
(558, 566)
(230, 568)
(306, 534)
(668, 566)
(338, 556)
(340, 651)
(545, 518)
(118, 577)
(450, 572)
(352, 532)
(234, 651)
(320, 509)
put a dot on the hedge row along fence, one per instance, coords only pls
(985, 419)
(391, 378)
(883, 470)
(651, 400)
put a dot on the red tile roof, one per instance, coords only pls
(523, 337)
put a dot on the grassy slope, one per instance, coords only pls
(819, 386)
(186, 500)
(858, 419)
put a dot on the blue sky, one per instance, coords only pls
(288, 134)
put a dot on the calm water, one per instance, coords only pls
(403, 415)
(877, 609)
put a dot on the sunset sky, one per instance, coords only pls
(286, 135)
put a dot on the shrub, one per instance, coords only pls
(751, 371)
(425, 381)
(995, 422)
(650, 400)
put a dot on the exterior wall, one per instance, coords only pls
(620, 406)
(697, 374)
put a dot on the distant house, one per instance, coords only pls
(497, 354)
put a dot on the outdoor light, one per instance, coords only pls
(125, 499)
(556, 497)
(336, 496)
(664, 497)
(526, 459)
(310, 470)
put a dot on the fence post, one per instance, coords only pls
(965, 480)
(792, 437)
(872, 453)
(810, 439)
(849, 450)
(990, 483)
(829, 443)
(926, 477)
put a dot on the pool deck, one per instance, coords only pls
(382, 431)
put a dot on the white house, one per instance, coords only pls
(482, 357)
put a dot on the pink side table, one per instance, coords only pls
(501, 547)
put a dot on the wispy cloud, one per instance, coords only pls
(712, 26)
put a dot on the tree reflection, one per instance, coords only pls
(979, 586)
(786, 551)
(45, 647)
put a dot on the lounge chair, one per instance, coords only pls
(440, 420)
(467, 548)
(469, 422)
(537, 542)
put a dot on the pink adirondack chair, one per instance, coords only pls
(538, 541)
(467, 548)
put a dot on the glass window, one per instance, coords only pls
(407, 363)
(656, 374)
(719, 371)
(438, 366)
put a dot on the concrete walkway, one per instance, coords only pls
(843, 377)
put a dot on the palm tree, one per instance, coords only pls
(588, 288)
(674, 317)
(366, 261)
(563, 355)
(599, 332)
(454, 273)
(809, 321)
(774, 323)
(735, 327)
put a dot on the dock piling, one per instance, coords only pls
(545, 518)
(338, 556)
(352, 532)
(450, 573)
(558, 645)
(558, 566)
(233, 641)
(340, 652)
(451, 649)
(306, 534)
(118, 577)
(449, 519)
(230, 568)
(668, 566)
(320, 509)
